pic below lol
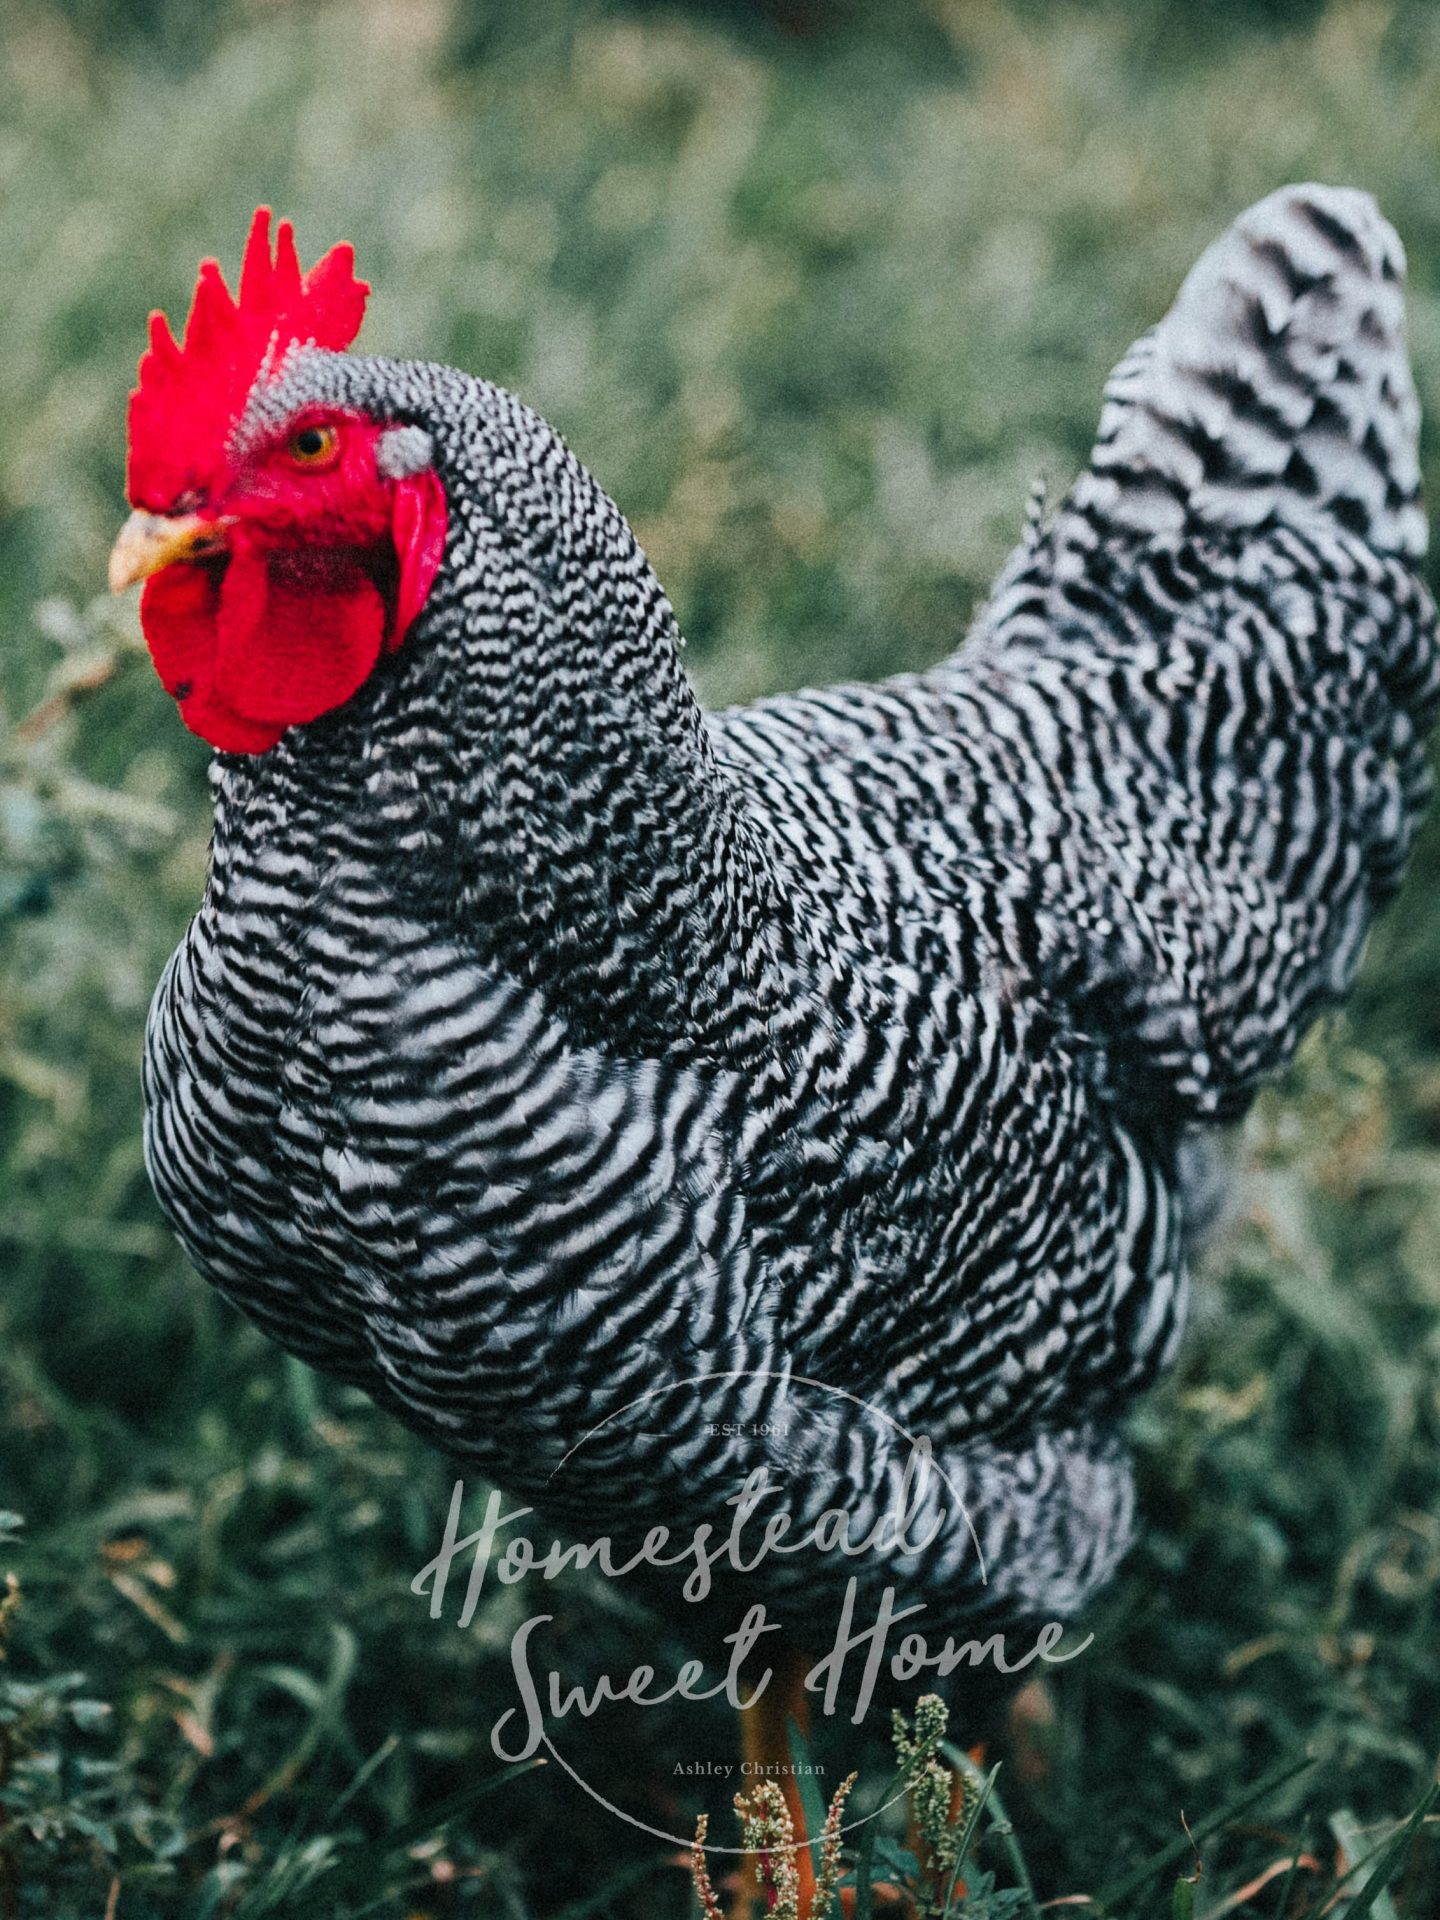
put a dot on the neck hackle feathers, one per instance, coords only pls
(189, 397)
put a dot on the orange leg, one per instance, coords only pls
(1030, 1730)
(765, 1741)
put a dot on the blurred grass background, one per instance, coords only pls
(817, 289)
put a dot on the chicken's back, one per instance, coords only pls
(1180, 762)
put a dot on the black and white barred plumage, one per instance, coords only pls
(543, 1043)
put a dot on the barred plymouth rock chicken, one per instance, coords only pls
(634, 1098)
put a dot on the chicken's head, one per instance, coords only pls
(285, 543)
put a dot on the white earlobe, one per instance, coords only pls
(401, 451)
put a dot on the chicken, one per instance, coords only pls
(638, 1101)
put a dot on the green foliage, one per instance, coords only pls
(818, 291)
(929, 1786)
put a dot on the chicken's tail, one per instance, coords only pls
(1276, 389)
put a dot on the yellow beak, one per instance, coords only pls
(150, 541)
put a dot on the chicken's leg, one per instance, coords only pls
(766, 1755)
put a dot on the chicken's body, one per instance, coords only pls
(776, 1087)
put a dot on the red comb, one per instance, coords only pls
(189, 398)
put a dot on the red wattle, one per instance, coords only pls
(178, 612)
(418, 520)
(297, 634)
(267, 646)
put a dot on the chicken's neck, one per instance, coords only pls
(605, 857)
(559, 809)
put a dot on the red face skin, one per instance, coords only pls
(324, 562)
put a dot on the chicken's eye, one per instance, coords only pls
(313, 447)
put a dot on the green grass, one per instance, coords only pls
(817, 293)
